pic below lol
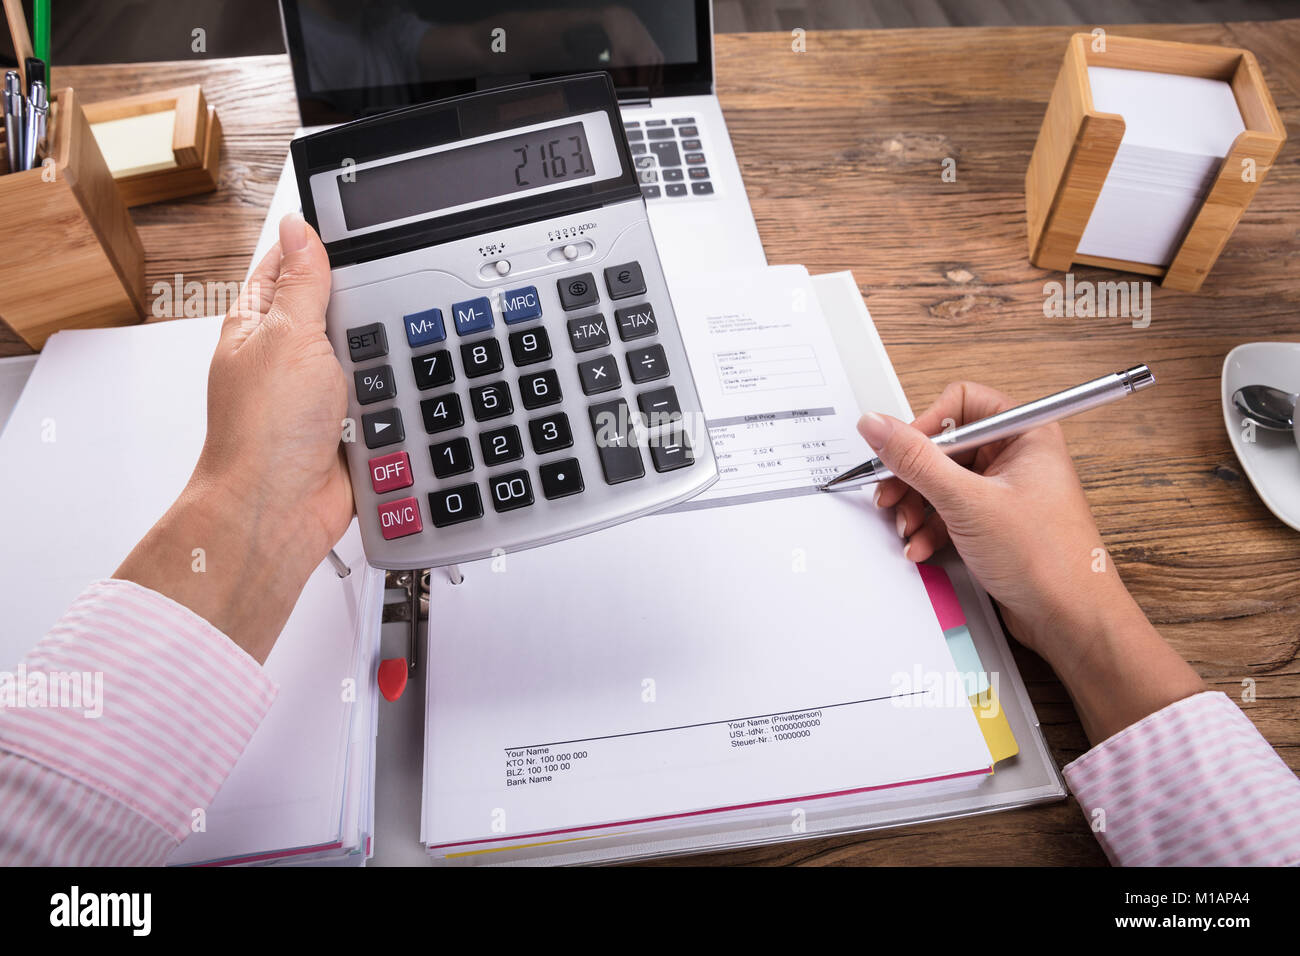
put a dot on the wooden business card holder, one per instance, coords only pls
(1076, 146)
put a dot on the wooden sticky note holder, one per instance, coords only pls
(1076, 146)
(148, 171)
(74, 259)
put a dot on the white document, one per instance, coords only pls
(779, 407)
(770, 651)
(102, 439)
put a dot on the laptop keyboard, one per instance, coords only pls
(669, 158)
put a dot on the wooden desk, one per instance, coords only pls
(842, 149)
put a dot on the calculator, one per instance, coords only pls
(515, 371)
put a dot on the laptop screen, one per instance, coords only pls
(354, 58)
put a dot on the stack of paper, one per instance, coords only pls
(752, 658)
(104, 436)
(1177, 131)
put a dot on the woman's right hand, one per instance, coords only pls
(1017, 515)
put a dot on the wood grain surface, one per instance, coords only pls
(841, 149)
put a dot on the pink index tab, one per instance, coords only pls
(942, 596)
(399, 518)
(390, 472)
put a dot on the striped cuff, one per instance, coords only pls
(1193, 784)
(143, 701)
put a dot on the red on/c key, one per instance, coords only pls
(390, 472)
(399, 518)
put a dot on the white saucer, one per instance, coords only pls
(1272, 461)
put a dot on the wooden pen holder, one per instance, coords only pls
(74, 259)
(1077, 145)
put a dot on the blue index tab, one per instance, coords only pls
(473, 315)
(520, 305)
(423, 328)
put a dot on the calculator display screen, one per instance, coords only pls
(482, 171)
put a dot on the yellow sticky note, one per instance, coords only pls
(993, 725)
(137, 144)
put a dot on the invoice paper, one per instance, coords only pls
(772, 648)
(780, 409)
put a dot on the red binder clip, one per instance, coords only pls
(392, 677)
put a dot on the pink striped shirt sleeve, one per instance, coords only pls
(114, 776)
(1193, 784)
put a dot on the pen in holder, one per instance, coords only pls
(75, 260)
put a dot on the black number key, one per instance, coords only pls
(550, 433)
(481, 358)
(451, 457)
(530, 345)
(611, 422)
(599, 375)
(511, 490)
(490, 401)
(501, 446)
(442, 413)
(647, 364)
(374, 384)
(454, 505)
(540, 390)
(433, 370)
(561, 478)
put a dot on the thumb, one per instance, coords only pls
(918, 462)
(302, 288)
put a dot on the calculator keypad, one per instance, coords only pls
(508, 438)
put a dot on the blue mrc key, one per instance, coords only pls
(475, 315)
(520, 305)
(425, 327)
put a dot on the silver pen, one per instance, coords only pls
(38, 108)
(14, 119)
(1014, 421)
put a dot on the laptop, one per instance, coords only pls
(358, 59)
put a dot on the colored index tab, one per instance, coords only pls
(520, 305)
(472, 315)
(424, 328)
(942, 596)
